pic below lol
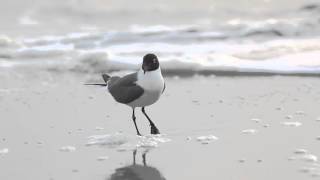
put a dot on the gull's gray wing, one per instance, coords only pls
(125, 89)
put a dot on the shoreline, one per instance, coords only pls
(218, 128)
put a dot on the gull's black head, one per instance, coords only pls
(150, 63)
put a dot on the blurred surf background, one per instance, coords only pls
(256, 37)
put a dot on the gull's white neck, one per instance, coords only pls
(151, 80)
(150, 73)
(153, 84)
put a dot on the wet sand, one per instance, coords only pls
(261, 127)
(241, 124)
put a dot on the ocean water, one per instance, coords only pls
(224, 37)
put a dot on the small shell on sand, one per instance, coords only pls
(207, 139)
(257, 120)
(4, 151)
(249, 131)
(102, 158)
(300, 151)
(300, 113)
(67, 149)
(292, 124)
(310, 158)
(122, 149)
(266, 125)
(302, 154)
(99, 128)
(306, 169)
(91, 97)
(292, 158)
(289, 117)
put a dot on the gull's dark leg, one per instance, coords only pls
(154, 129)
(144, 159)
(134, 157)
(135, 124)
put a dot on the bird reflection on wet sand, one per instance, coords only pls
(136, 171)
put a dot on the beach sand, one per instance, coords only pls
(261, 127)
(244, 123)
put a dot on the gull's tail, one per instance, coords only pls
(105, 77)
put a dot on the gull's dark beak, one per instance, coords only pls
(144, 69)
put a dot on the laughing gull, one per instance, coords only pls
(139, 89)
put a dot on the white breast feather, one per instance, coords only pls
(152, 82)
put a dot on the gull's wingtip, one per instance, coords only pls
(105, 77)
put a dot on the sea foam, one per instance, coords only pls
(123, 142)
